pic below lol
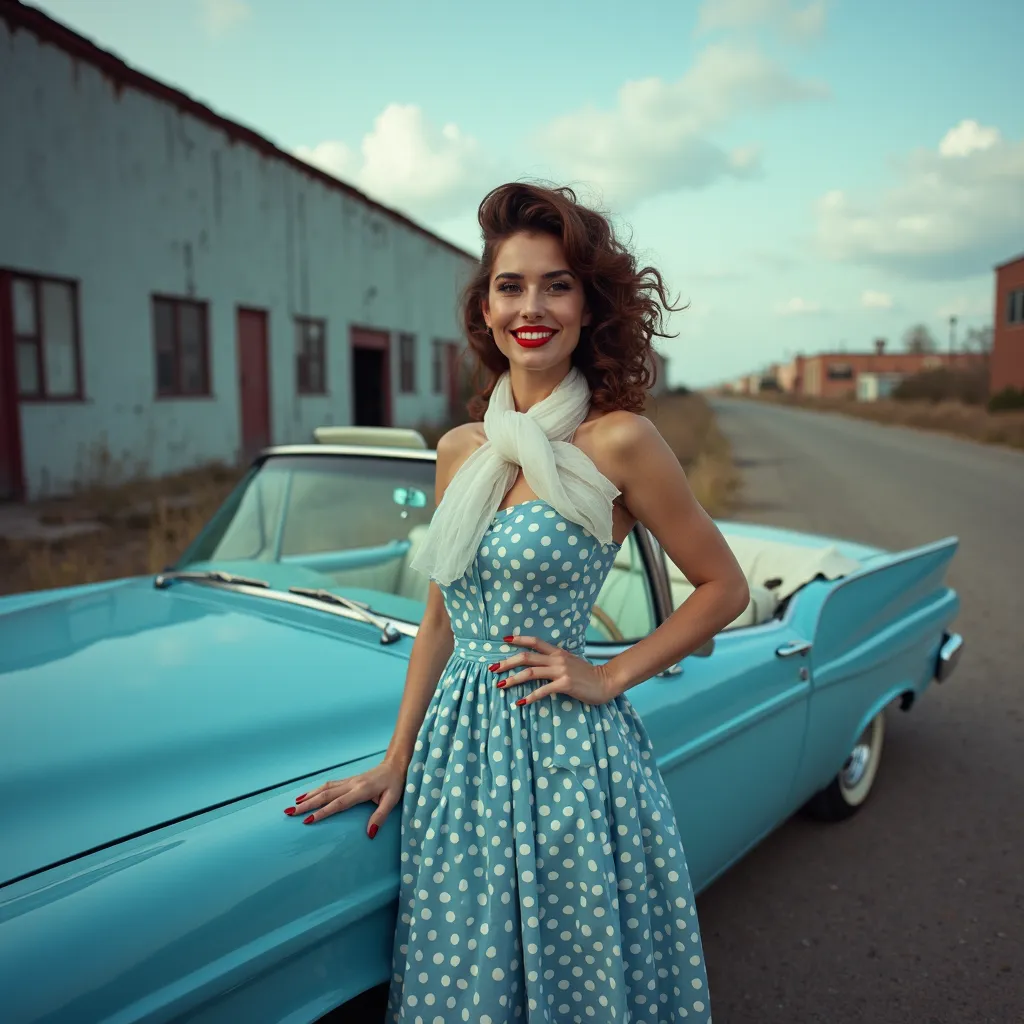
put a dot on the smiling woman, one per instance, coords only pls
(605, 297)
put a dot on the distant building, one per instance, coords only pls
(1007, 364)
(175, 289)
(838, 374)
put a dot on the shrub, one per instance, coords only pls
(942, 384)
(1007, 399)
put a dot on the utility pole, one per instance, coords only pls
(952, 335)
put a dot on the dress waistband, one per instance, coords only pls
(475, 649)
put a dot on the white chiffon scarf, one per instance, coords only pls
(556, 470)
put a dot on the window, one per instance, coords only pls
(311, 355)
(181, 328)
(839, 371)
(624, 609)
(406, 363)
(46, 342)
(1015, 307)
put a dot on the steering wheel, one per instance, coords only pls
(607, 623)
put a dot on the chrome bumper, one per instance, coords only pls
(949, 654)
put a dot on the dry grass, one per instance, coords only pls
(688, 425)
(948, 417)
(145, 525)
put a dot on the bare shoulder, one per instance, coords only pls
(454, 447)
(620, 433)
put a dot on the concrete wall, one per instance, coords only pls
(130, 195)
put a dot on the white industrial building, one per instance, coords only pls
(174, 289)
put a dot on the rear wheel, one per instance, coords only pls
(848, 791)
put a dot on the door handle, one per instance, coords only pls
(793, 648)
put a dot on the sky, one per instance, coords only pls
(808, 175)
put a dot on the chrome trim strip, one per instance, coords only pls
(409, 629)
(413, 454)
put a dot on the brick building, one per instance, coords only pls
(838, 374)
(1007, 366)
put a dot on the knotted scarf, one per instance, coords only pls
(555, 469)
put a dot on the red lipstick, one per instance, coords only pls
(534, 336)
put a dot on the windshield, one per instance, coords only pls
(346, 523)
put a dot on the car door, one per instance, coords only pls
(727, 729)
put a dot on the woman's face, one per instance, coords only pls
(535, 305)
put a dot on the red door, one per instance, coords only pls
(253, 380)
(10, 419)
(456, 412)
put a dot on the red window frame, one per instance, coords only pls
(407, 363)
(310, 352)
(38, 339)
(176, 303)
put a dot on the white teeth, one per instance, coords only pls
(534, 335)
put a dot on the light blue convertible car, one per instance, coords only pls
(152, 730)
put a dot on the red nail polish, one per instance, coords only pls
(289, 810)
(520, 702)
(508, 639)
(372, 831)
(299, 799)
(502, 683)
(308, 821)
(494, 666)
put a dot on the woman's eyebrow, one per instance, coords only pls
(518, 277)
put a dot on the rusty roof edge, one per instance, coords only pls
(1009, 262)
(20, 15)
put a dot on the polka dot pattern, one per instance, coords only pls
(542, 875)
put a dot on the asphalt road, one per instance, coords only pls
(913, 910)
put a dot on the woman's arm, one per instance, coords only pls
(656, 491)
(384, 783)
(434, 641)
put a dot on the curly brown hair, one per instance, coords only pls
(626, 304)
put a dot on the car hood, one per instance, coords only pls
(126, 707)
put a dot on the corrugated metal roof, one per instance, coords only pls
(17, 16)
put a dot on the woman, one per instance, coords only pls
(542, 876)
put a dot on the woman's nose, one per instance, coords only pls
(532, 307)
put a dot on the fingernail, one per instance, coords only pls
(308, 821)
(502, 683)
(289, 810)
(299, 799)
(520, 702)
(508, 639)
(494, 666)
(372, 830)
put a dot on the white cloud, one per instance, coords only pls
(966, 138)
(798, 24)
(220, 16)
(657, 138)
(875, 300)
(409, 163)
(955, 210)
(797, 307)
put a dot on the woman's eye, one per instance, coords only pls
(507, 286)
(562, 286)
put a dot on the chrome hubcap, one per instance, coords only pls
(856, 765)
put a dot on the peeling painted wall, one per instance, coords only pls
(130, 196)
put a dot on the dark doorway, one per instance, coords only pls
(371, 375)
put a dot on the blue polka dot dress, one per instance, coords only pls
(542, 875)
